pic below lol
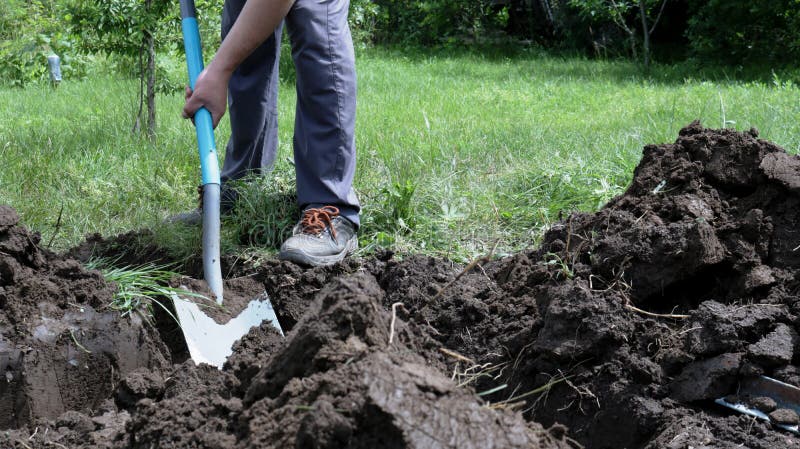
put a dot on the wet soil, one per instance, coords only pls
(619, 331)
(61, 347)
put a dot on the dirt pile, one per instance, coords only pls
(336, 381)
(624, 326)
(60, 347)
(349, 375)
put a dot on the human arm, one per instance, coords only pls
(257, 21)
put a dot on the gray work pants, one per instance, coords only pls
(324, 126)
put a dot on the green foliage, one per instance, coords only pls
(745, 32)
(389, 215)
(29, 32)
(397, 213)
(363, 21)
(267, 208)
(623, 14)
(116, 26)
(436, 22)
(209, 21)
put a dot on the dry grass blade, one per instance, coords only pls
(519, 399)
(467, 269)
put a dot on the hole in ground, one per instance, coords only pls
(712, 282)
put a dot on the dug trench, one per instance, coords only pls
(618, 331)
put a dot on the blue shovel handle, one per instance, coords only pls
(202, 118)
(208, 154)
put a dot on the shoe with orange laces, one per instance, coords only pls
(322, 237)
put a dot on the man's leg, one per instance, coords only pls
(252, 105)
(324, 134)
(253, 112)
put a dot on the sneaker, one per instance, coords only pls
(322, 237)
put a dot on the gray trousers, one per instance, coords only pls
(324, 125)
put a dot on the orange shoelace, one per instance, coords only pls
(315, 220)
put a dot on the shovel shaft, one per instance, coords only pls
(206, 147)
(212, 270)
(202, 118)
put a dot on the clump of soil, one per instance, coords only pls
(335, 382)
(623, 326)
(61, 348)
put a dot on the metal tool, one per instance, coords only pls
(784, 395)
(209, 342)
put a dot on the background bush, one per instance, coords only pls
(29, 32)
(758, 33)
(745, 32)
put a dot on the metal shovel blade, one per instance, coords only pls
(785, 395)
(212, 343)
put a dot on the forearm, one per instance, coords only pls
(255, 24)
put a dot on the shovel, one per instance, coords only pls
(209, 342)
(784, 395)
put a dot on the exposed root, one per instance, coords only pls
(583, 392)
(514, 401)
(394, 319)
(467, 269)
(456, 355)
(673, 316)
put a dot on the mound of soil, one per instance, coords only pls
(61, 348)
(623, 326)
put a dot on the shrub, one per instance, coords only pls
(29, 32)
(745, 32)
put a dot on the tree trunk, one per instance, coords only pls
(632, 39)
(151, 86)
(645, 34)
(137, 122)
(549, 13)
(149, 73)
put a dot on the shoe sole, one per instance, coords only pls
(318, 261)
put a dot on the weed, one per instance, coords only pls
(139, 287)
(562, 267)
(266, 210)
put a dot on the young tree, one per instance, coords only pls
(625, 14)
(127, 28)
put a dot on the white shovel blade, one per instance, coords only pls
(212, 343)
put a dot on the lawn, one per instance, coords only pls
(457, 153)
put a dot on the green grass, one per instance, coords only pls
(454, 152)
(139, 287)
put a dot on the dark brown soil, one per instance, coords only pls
(61, 348)
(623, 326)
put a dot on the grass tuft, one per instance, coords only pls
(266, 210)
(139, 287)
